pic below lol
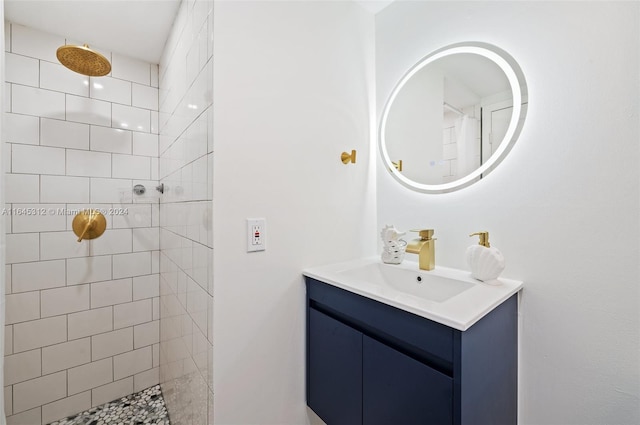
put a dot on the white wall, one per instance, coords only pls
(414, 127)
(82, 318)
(563, 206)
(292, 90)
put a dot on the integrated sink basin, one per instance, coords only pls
(445, 295)
(418, 283)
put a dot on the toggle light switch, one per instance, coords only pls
(256, 234)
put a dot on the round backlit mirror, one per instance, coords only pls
(453, 117)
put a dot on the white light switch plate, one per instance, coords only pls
(256, 234)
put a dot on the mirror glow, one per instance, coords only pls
(452, 117)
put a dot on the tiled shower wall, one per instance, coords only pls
(82, 319)
(186, 159)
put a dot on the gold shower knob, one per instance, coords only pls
(89, 224)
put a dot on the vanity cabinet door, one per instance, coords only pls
(334, 370)
(398, 389)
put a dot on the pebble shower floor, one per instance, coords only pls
(144, 407)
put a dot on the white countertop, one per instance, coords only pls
(460, 311)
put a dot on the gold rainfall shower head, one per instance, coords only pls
(83, 60)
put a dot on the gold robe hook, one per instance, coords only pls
(348, 158)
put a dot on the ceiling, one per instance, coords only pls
(136, 28)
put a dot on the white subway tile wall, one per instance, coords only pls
(83, 319)
(186, 253)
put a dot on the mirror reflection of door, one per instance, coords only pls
(495, 122)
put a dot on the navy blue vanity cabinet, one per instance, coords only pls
(335, 359)
(370, 363)
(397, 389)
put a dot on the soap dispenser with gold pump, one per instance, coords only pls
(486, 263)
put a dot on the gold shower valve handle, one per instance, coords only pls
(89, 224)
(347, 158)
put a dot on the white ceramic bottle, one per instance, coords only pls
(486, 263)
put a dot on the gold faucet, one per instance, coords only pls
(425, 248)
